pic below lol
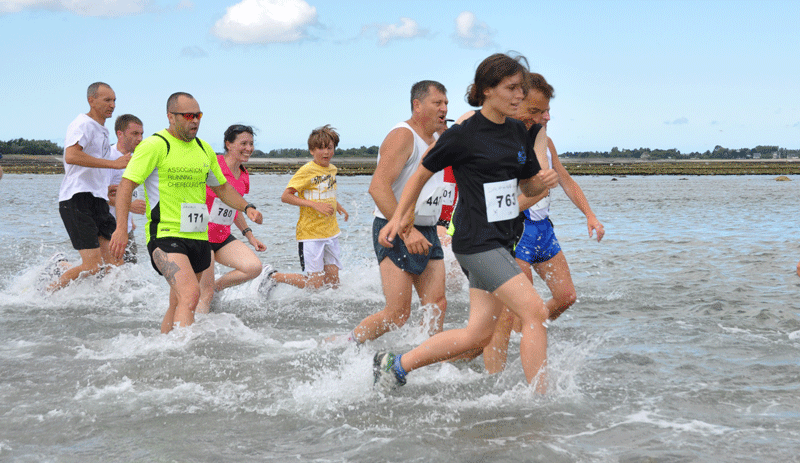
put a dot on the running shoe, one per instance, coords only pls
(51, 271)
(386, 378)
(267, 282)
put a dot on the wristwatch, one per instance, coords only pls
(249, 205)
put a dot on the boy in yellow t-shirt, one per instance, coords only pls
(313, 189)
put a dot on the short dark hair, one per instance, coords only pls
(537, 82)
(233, 131)
(421, 89)
(173, 99)
(491, 72)
(91, 92)
(123, 121)
(322, 137)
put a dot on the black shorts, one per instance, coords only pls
(198, 251)
(86, 217)
(217, 246)
(404, 260)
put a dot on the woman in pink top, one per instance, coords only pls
(226, 249)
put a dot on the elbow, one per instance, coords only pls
(372, 190)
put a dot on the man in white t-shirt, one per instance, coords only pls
(83, 196)
(129, 131)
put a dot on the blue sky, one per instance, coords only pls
(660, 74)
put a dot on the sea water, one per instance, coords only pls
(683, 344)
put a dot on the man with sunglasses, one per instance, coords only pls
(83, 195)
(175, 167)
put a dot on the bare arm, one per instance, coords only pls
(546, 177)
(342, 211)
(76, 156)
(242, 225)
(395, 151)
(402, 222)
(119, 239)
(289, 196)
(228, 195)
(575, 194)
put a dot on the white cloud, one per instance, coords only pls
(472, 33)
(14, 6)
(266, 21)
(79, 7)
(406, 29)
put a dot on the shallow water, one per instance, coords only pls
(683, 345)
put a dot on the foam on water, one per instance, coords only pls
(682, 346)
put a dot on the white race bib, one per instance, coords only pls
(449, 194)
(221, 214)
(501, 200)
(194, 218)
(433, 205)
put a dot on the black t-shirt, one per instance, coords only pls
(491, 158)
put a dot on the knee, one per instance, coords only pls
(189, 296)
(399, 315)
(206, 293)
(441, 303)
(252, 269)
(565, 299)
(537, 313)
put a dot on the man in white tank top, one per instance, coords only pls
(418, 259)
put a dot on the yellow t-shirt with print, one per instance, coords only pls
(316, 183)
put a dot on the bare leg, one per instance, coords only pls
(520, 297)
(431, 290)
(246, 265)
(484, 309)
(294, 279)
(184, 288)
(331, 276)
(166, 324)
(206, 288)
(91, 263)
(555, 273)
(397, 290)
(496, 352)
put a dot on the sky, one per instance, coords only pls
(683, 74)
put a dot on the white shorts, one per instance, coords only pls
(316, 254)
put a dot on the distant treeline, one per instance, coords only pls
(719, 152)
(36, 147)
(47, 147)
(362, 152)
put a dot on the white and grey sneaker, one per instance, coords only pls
(386, 377)
(267, 282)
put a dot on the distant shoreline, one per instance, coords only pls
(23, 164)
